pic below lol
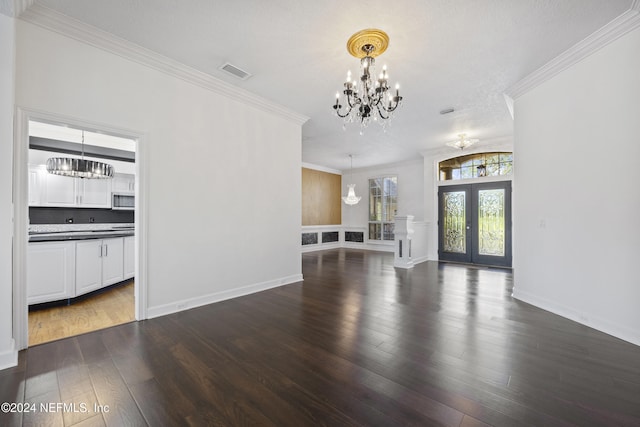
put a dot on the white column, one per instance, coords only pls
(403, 231)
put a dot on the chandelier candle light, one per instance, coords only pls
(351, 198)
(79, 168)
(368, 97)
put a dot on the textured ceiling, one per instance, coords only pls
(462, 54)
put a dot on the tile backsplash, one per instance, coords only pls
(40, 215)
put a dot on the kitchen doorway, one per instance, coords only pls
(474, 223)
(116, 236)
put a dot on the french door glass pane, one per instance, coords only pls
(455, 222)
(491, 222)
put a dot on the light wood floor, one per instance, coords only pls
(112, 307)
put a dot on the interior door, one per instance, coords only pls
(474, 223)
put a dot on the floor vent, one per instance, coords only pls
(235, 71)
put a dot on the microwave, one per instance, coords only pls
(123, 201)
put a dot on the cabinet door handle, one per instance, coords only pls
(100, 256)
(106, 250)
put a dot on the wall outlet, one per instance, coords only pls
(92, 219)
(69, 220)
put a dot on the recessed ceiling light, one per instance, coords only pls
(235, 71)
(447, 111)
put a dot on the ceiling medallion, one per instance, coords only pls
(356, 45)
(367, 97)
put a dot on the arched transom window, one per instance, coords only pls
(476, 165)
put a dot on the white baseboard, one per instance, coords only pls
(186, 304)
(9, 358)
(378, 247)
(623, 332)
(320, 247)
(420, 259)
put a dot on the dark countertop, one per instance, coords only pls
(78, 235)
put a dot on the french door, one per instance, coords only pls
(474, 223)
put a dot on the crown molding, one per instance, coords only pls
(321, 168)
(62, 24)
(414, 161)
(20, 6)
(626, 22)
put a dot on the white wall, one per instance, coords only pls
(577, 148)
(410, 191)
(7, 32)
(223, 177)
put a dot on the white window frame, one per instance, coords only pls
(383, 222)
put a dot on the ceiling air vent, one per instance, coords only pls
(235, 71)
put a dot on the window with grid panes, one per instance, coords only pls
(383, 201)
(476, 166)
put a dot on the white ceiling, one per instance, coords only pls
(462, 54)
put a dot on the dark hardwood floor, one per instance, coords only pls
(358, 343)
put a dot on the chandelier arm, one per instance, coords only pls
(353, 104)
(346, 114)
(380, 112)
(391, 108)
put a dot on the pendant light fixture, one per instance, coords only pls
(351, 198)
(462, 142)
(79, 168)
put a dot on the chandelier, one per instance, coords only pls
(351, 198)
(462, 142)
(368, 97)
(79, 168)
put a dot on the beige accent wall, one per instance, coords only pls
(321, 202)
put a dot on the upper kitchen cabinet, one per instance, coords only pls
(58, 191)
(124, 183)
(50, 190)
(94, 193)
(35, 177)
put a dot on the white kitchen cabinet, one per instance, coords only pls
(99, 263)
(113, 261)
(93, 193)
(124, 183)
(35, 183)
(51, 271)
(88, 266)
(64, 191)
(59, 191)
(129, 257)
